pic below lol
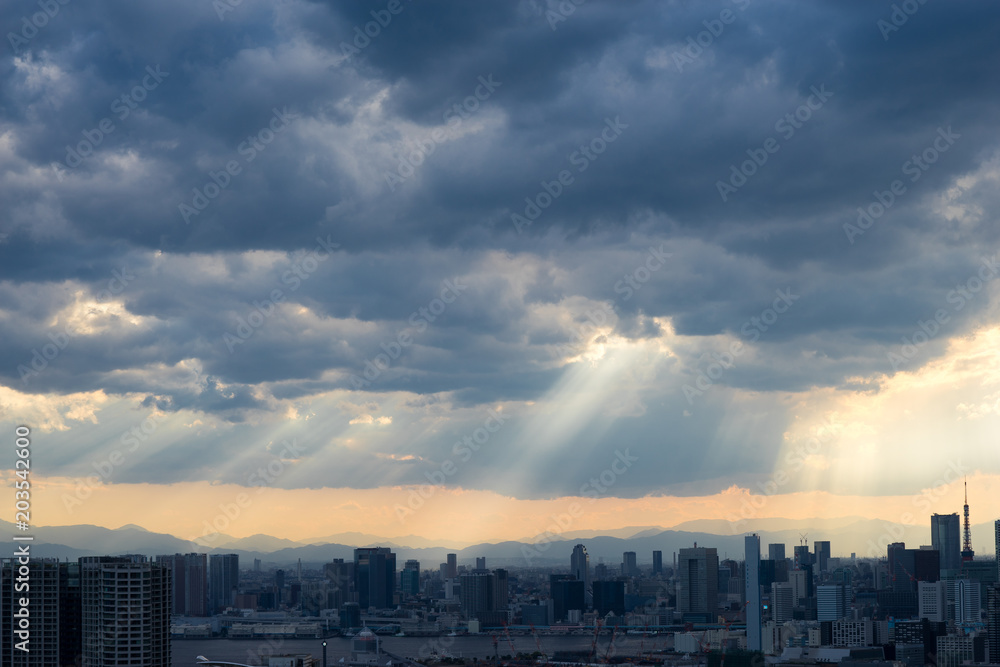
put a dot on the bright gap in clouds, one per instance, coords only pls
(603, 385)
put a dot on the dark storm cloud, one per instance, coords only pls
(279, 124)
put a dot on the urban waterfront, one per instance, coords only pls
(185, 651)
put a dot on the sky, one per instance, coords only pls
(451, 269)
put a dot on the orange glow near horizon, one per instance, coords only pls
(193, 510)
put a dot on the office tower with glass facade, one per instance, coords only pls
(579, 564)
(409, 578)
(223, 581)
(609, 597)
(822, 550)
(375, 577)
(698, 581)
(946, 539)
(629, 566)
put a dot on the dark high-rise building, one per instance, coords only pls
(908, 566)
(776, 552)
(54, 613)
(484, 596)
(452, 570)
(409, 578)
(70, 615)
(375, 576)
(350, 615)
(279, 586)
(481, 563)
(993, 623)
(697, 581)
(657, 562)
(502, 588)
(567, 593)
(801, 556)
(822, 549)
(579, 564)
(781, 570)
(341, 578)
(782, 601)
(477, 594)
(996, 537)
(609, 596)
(629, 567)
(223, 581)
(753, 606)
(767, 573)
(919, 632)
(946, 538)
(189, 573)
(601, 572)
(126, 605)
(725, 574)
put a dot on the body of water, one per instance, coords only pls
(246, 650)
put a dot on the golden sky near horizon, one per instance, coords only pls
(855, 433)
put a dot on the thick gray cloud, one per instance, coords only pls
(310, 117)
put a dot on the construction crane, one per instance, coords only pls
(593, 644)
(642, 644)
(725, 634)
(506, 629)
(538, 642)
(611, 644)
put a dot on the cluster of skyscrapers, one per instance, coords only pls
(934, 604)
(109, 610)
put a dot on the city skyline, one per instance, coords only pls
(906, 603)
